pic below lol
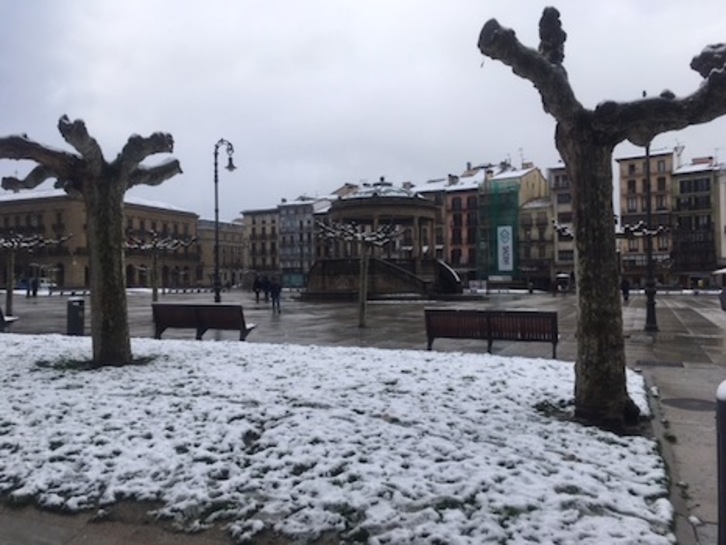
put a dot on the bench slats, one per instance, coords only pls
(491, 325)
(200, 318)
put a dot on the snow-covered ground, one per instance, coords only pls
(382, 446)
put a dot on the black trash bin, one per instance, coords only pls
(74, 316)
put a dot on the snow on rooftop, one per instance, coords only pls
(401, 446)
(511, 174)
(698, 167)
(30, 194)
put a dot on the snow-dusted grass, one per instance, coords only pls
(382, 446)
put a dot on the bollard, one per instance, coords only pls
(721, 459)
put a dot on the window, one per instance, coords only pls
(566, 255)
(703, 222)
(645, 186)
(564, 217)
(661, 183)
(456, 256)
(661, 165)
(564, 198)
(456, 203)
(633, 245)
(660, 202)
(631, 168)
(662, 240)
(631, 186)
(455, 236)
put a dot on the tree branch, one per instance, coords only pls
(76, 134)
(138, 148)
(640, 120)
(52, 163)
(36, 177)
(542, 69)
(142, 175)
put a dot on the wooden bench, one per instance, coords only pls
(492, 325)
(6, 321)
(200, 317)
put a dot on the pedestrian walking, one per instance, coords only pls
(266, 288)
(256, 287)
(625, 288)
(275, 289)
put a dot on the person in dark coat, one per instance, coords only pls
(266, 287)
(275, 289)
(625, 288)
(256, 287)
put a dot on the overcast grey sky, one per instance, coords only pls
(316, 93)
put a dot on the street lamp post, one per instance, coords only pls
(230, 166)
(650, 320)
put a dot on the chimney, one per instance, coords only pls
(468, 166)
(452, 179)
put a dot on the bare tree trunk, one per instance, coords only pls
(10, 283)
(363, 286)
(155, 275)
(109, 317)
(600, 383)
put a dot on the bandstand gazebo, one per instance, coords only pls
(407, 265)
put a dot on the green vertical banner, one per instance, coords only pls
(505, 248)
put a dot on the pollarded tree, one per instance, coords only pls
(17, 242)
(157, 244)
(352, 232)
(102, 185)
(585, 139)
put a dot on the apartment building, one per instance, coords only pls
(457, 218)
(261, 231)
(699, 217)
(562, 213)
(634, 187)
(53, 215)
(297, 242)
(502, 197)
(232, 242)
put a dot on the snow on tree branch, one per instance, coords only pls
(143, 175)
(18, 241)
(640, 229)
(543, 68)
(638, 121)
(138, 148)
(352, 232)
(53, 163)
(76, 134)
(156, 242)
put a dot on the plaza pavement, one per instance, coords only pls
(683, 363)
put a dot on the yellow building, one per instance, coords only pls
(231, 247)
(52, 215)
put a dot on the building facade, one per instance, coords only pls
(634, 187)
(698, 219)
(261, 233)
(232, 242)
(562, 212)
(52, 215)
